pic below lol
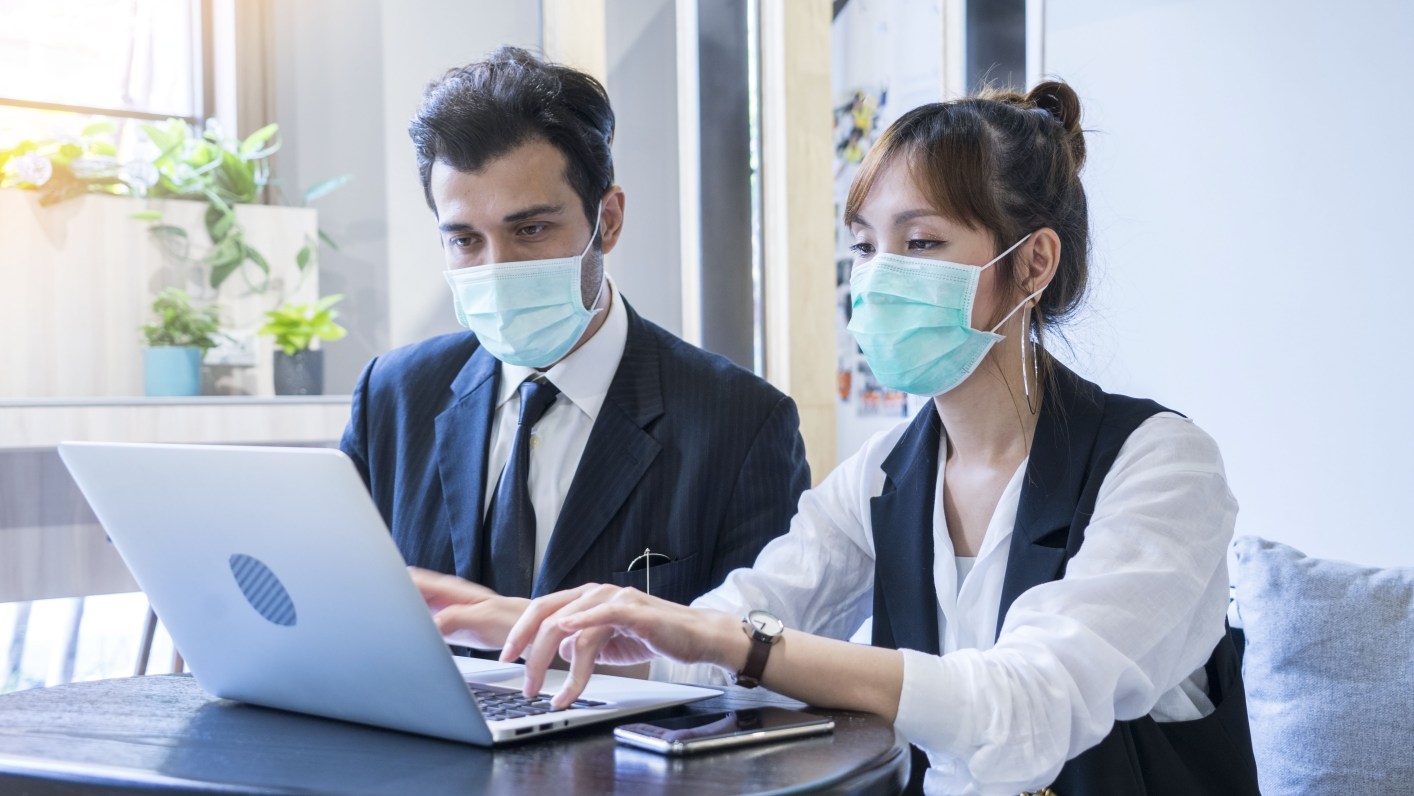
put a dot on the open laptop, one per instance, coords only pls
(280, 584)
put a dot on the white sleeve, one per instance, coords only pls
(819, 576)
(1141, 607)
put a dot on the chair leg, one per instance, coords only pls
(144, 650)
(71, 643)
(61, 656)
(178, 665)
(10, 677)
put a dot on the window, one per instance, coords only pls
(121, 58)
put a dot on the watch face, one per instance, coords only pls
(765, 622)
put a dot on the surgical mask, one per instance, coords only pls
(528, 313)
(912, 318)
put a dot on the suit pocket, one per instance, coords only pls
(678, 581)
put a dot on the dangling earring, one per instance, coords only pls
(1035, 360)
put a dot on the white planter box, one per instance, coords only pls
(80, 278)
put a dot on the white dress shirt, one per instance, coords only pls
(558, 439)
(1125, 633)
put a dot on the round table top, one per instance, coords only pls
(164, 732)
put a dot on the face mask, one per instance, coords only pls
(912, 318)
(527, 313)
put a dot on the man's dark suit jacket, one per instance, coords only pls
(691, 456)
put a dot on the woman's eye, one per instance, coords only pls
(923, 245)
(862, 249)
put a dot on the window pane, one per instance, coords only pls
(122, 54)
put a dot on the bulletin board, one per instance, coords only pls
(887, 58)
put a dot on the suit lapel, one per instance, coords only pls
(463, 430)
(1055, 475)
(617, 454)
(902, 519)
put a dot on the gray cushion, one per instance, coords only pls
(1329, 670)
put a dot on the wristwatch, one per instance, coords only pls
(764, 629)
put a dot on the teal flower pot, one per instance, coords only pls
(171, 370)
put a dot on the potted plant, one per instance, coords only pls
(191, 163)
(177, 341)
(299, 368)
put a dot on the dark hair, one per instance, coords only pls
(479, 112)
(1003, 162)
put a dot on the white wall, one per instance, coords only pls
(328, 85)
(1249, 183)
(422, 39)
(641, 50)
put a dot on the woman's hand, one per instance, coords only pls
(467, 613)
(617, 626)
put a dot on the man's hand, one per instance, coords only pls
(466, 613)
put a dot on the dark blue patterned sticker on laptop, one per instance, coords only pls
(264, 591)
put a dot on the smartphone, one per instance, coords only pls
(685, 735)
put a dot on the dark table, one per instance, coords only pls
(164, 734)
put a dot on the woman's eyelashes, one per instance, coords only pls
(912, 246)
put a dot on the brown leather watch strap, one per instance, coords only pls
(750, 674)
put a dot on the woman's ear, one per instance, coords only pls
(1039, 258)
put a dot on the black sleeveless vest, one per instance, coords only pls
(1078, 434)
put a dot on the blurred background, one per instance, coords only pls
(234, 177)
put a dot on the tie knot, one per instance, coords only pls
(535, 398)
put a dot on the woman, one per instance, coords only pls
(1045, 564)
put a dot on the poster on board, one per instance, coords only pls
(887, 57)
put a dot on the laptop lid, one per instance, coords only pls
(279, 582)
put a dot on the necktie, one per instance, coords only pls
(512, 516)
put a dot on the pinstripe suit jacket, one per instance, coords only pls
(690, 456)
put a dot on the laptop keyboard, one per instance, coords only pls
(508, 703)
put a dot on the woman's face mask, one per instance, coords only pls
(912, 319)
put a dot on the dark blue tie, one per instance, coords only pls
(511, 520)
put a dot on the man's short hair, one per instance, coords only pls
(479, 112)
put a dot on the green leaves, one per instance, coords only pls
(178, 323)
(204, 165)
(321, 189)
(219, 220)
(296, 326)
(250, 148)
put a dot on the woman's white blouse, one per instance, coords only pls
(1125, 633)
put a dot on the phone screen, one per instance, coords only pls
(730, 728)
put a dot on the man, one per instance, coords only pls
(566, 439)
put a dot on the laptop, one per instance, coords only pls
(279, 582)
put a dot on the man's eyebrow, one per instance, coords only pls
(519, 215)
(532, 212)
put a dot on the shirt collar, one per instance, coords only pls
(585, 375)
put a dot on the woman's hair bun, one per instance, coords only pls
(1060, 101)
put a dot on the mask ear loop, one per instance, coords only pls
(603, 275)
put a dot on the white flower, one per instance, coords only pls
(32, 168)
(139, 174)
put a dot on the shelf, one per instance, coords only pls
(302, 420)
(51, 545)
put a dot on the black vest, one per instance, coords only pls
(1078, 434)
